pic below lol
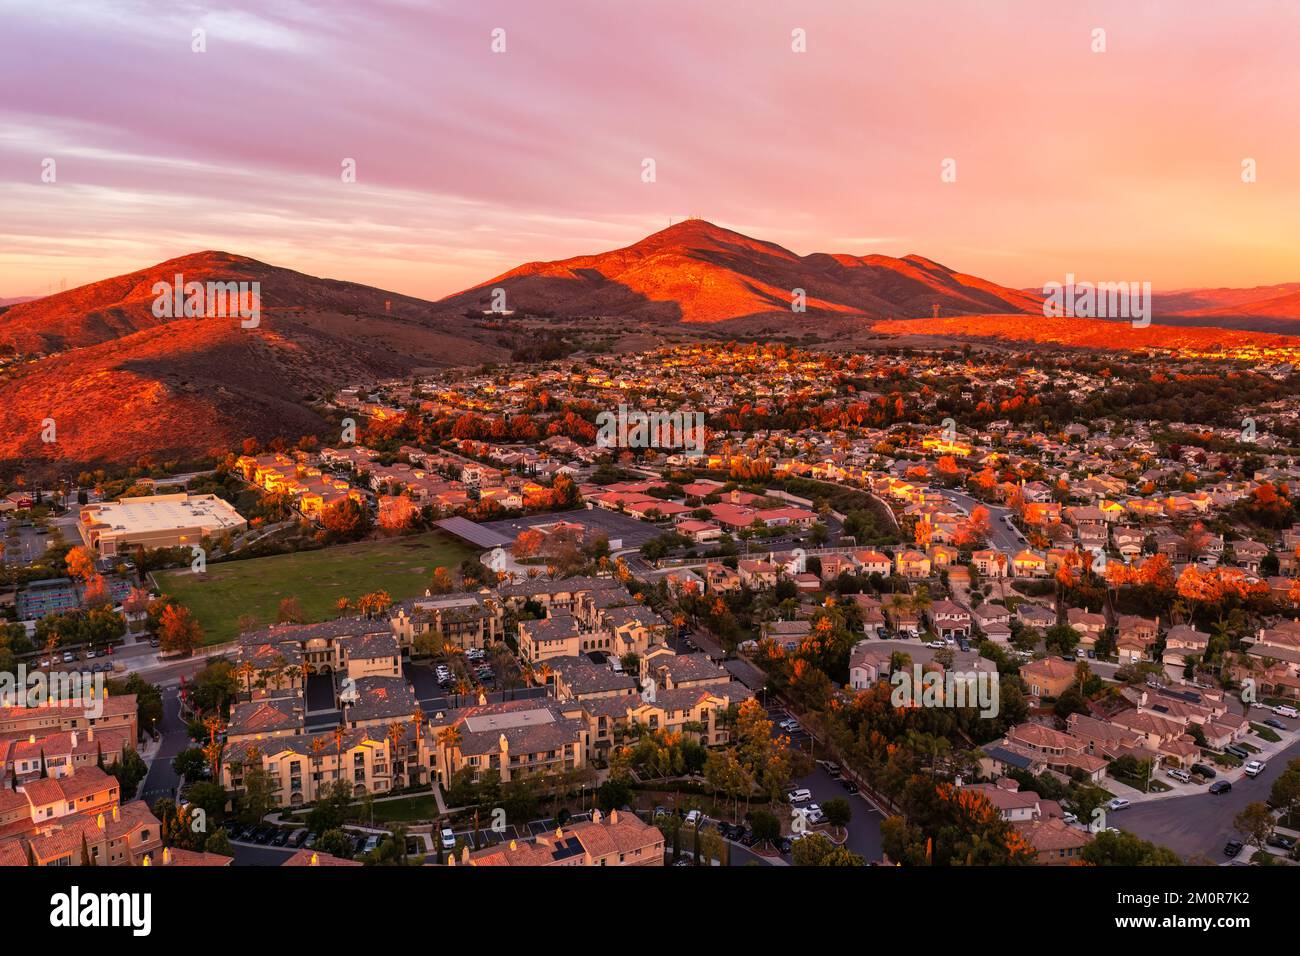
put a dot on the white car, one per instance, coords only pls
(800, 796)
(1285, 710)
(1119, 803)
(694, 818)
(813, 814)
(448, 839)
(1255, 768)
(1181, 775)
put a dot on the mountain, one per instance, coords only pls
(120, 306)
(1095, 334)
(697, 272)
(126, 383)
(1275, 301)
(17, 300)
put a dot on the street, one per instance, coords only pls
(1002, 535)
(162, 780)
(1198, 824)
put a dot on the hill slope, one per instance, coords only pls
(697, 272)
(129, 384)
(1097, 334)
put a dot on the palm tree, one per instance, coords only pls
(245, 672)
(338, 753)
(395, 732)
(317, 746)
(449, 739)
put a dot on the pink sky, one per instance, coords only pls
(1116, 166)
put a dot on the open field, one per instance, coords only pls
(400, 566)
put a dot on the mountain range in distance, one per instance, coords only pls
(122, 383)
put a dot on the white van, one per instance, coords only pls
(800, 796)
(1285, 710)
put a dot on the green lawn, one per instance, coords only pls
(226, 591)
(419, 807)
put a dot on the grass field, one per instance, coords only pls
(226, 591)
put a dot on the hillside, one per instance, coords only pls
(697, 272)
(1097, 334)
(128, 384)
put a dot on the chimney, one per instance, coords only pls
(513, 846)
(31, 739)
(464, 853)
(167, 856)
(315, 860)
(613, 816)
(116, 815)
(595, 816)
(74, 740)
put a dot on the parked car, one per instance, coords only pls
(1232, 848)
(1286, 710)
(1239, 752)
(309, 841)
(1255, 768)
(448, 839)
(263, 834)
(800, 796)
(1119, 803)
(813, 814)
(281, 838)
(849, 785)
(1182, 775)
(299, 838)
(1220, 786)
(693, 818)
(1282, 841)
(1275, 724)
(1205, 770)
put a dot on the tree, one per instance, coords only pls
(1124, 849)
(1255, 823)
(346, 520)
(838, 812)
(258, 796)
(335, 843)
(290, 611)
(178, 631)
(129, 770)
(190, 764)
(765, 826)
(81, 563)
(1285, 794)
(218, 843)
(817, 850)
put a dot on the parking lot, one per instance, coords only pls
(632, 532)
(864, 827)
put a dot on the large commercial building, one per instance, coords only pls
(160, 521)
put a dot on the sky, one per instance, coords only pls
(1122, 165)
